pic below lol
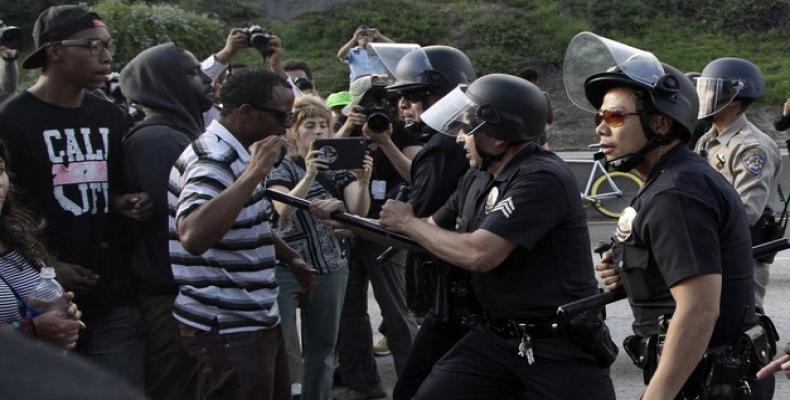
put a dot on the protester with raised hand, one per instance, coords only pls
(222, 248)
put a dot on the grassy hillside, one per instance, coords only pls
(502, 35)
(498, 35)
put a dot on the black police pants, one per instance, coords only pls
(483, 365)
(433, 341)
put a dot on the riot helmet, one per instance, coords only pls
(594, 65)
(504, 106)
(726, 79)
(436, 69)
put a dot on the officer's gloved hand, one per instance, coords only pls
(607, 273)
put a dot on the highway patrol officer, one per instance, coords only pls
(517, 222)
(682, 251)
(422, 77)
(748, 158)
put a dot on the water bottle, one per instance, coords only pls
(47, 296)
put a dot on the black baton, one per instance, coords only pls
(605, 298)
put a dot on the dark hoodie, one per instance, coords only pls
(157, 80)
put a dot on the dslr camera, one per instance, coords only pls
(257, 37)
(376, 104)
(9, 36)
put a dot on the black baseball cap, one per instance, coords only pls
(58, 23)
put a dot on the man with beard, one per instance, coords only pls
(168, 83)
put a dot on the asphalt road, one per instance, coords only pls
(626, 377)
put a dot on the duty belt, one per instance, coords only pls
(526, 331)
(514, 329)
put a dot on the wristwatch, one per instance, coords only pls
(787, 348)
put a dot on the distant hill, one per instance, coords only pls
(501, 36)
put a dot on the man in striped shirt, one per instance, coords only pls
(222, 248)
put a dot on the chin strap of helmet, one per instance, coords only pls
(486, 157)
(628, 162)
(419, 129)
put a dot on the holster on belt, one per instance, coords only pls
(455, 303)
(724, 371)
(591, 333)
(766, 229)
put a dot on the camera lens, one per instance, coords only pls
(10, 36)
(259, 40)
(378, 122)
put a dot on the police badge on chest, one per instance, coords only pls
(493, 196)
(625, 224)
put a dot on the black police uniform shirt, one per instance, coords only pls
(689, 222)
(385, 179)
(535, 203)
(435, 172)
(67, 161)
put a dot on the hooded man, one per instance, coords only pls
(168, 83)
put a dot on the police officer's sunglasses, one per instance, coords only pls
(613, 118)
(414, 96)
(95, 46)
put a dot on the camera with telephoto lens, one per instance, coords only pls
(375, 103)
(257, 37)
(10, 36)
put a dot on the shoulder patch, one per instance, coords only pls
(754, 160)
(506, 206)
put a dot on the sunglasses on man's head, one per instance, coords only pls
(613, 118)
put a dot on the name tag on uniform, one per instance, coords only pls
(378, 189)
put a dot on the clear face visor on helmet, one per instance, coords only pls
(714, 94)
(453, 114)
(589, 54)
(389, 54)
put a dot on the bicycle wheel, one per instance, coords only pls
(612, 206)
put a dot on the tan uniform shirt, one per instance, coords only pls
(748, 158)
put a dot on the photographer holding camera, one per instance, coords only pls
(301, 75)
(9, 71)
(264, 42)
(359, 58)
(370, 113)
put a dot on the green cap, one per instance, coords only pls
(338, 99)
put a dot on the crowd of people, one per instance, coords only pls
(156, 194)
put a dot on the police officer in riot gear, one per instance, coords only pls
(682, 250)
(422, 77)
(517, 224)
(747, 157)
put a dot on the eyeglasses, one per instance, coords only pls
(95, 46)
(286, 117)
(414, 96)
(612, 118)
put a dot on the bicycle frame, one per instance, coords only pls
(597, 166)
